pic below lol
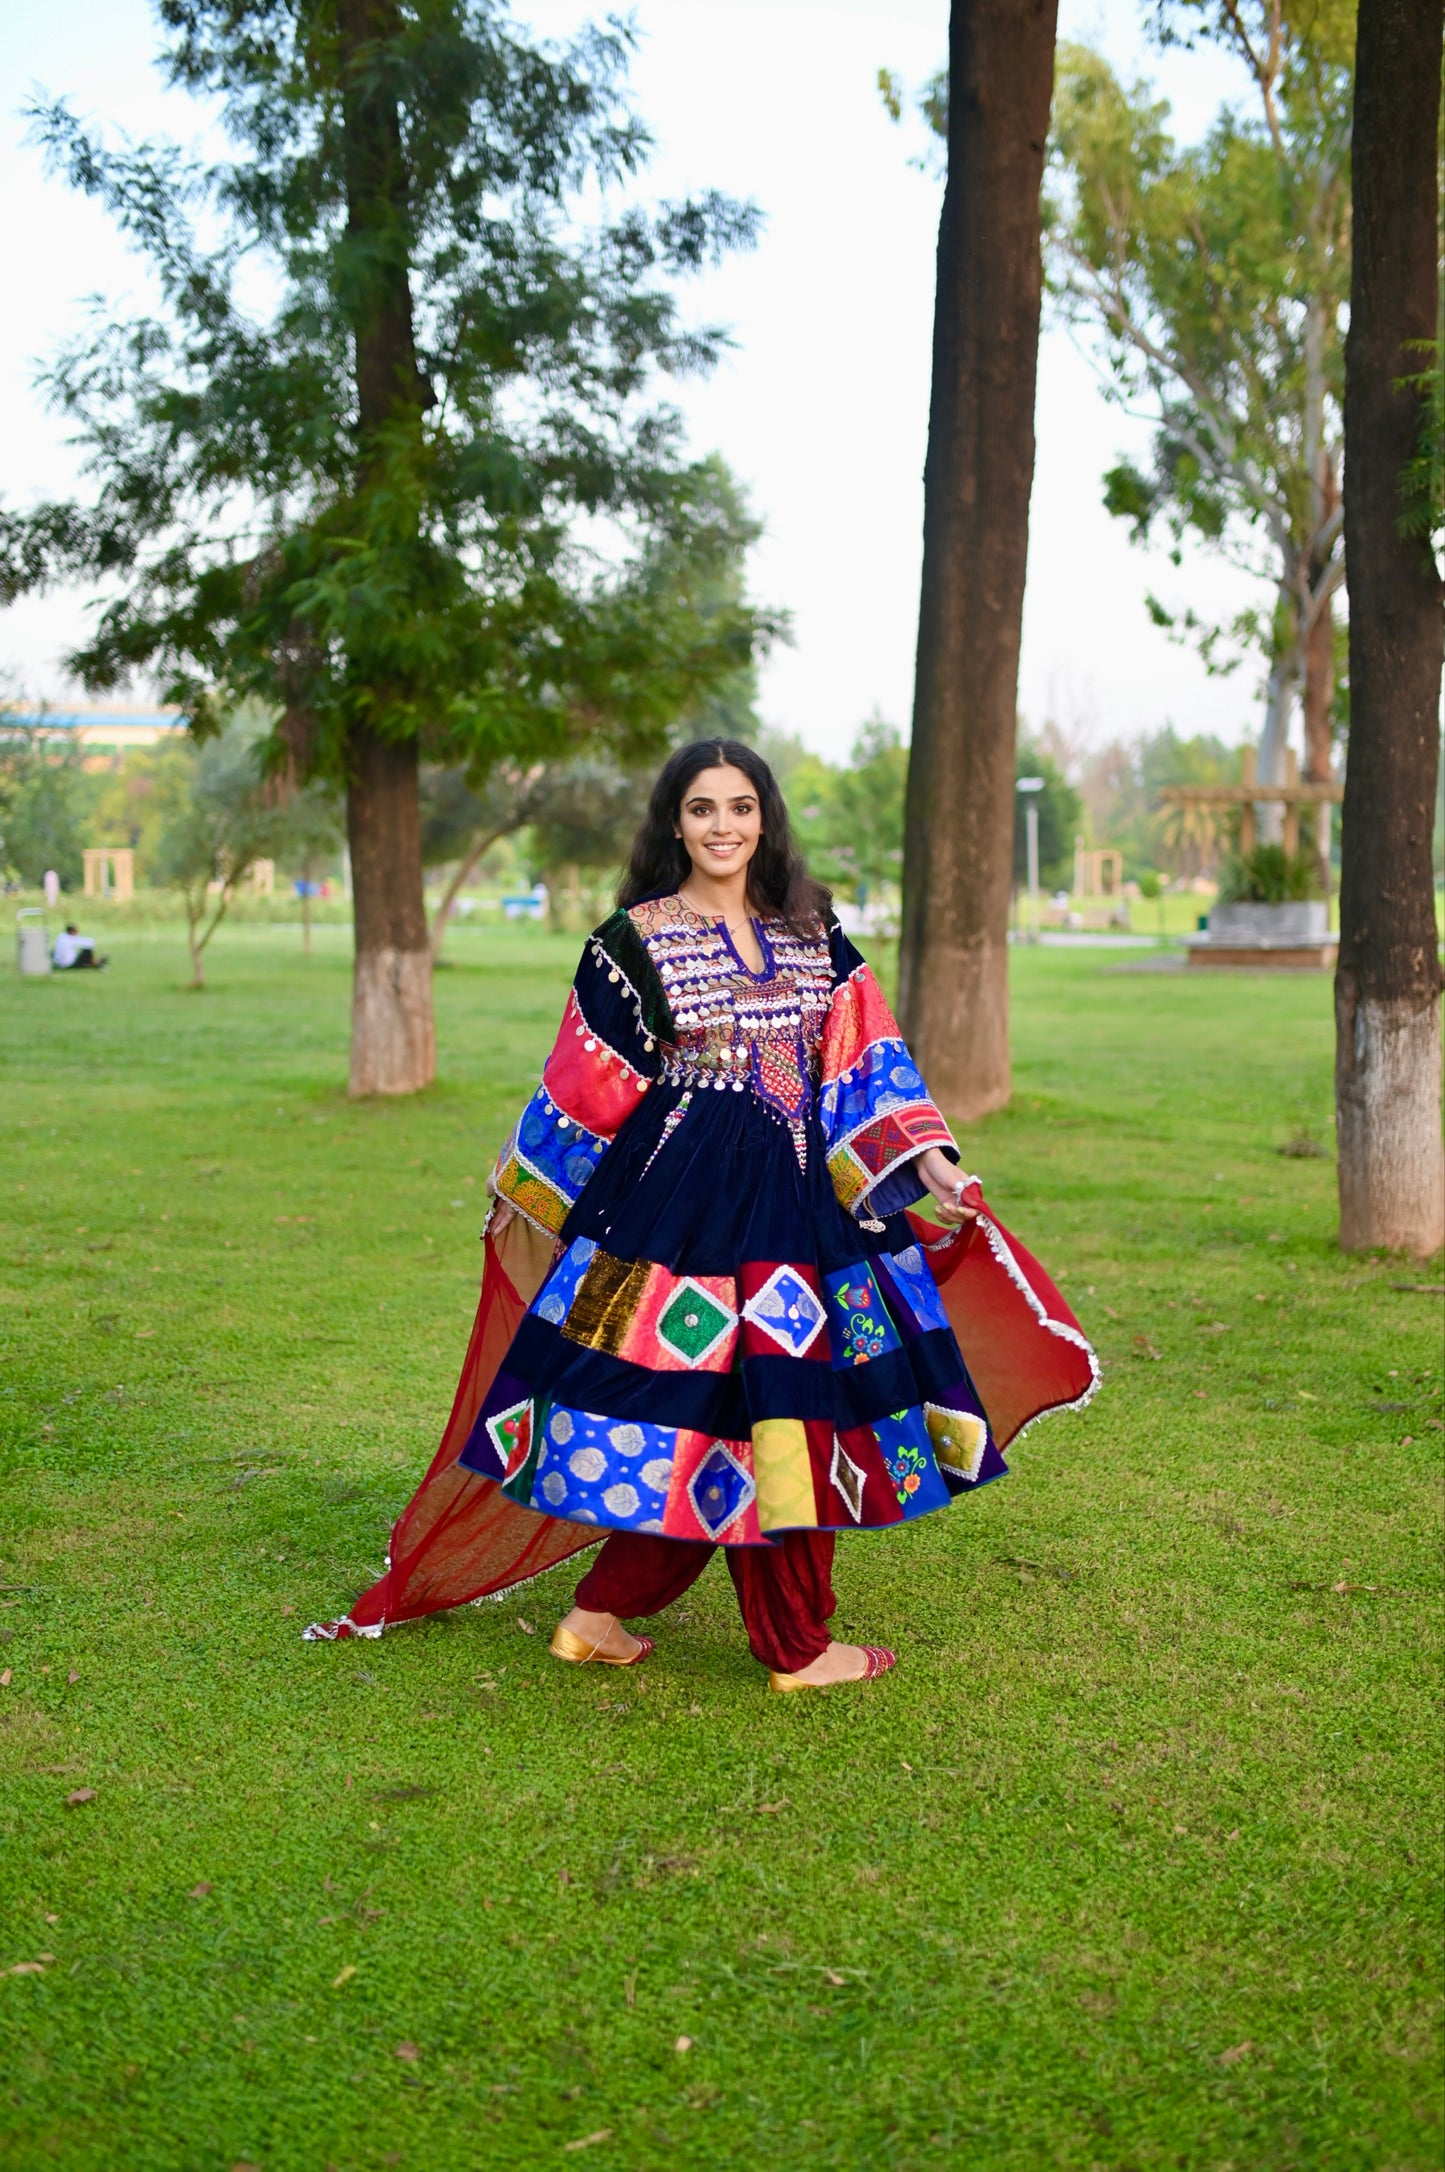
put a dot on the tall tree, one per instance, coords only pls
(959, 819)
(1214, 278)
(362, 503)
(1387, 985)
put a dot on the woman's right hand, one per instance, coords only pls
(502, 1212)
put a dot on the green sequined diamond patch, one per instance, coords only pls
(692, 1323)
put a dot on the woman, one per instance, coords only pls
(736, 1339)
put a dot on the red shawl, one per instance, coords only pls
(460, 1539)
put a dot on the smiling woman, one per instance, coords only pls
(729, 1332)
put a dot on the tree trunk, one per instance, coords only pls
(959, 820)
(1319, 695)
(1387, 986)
(393, 1040)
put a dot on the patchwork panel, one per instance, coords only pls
(783, 1313)
(783, 1472)
(606, 1300)
(593, 1469)
(847, 1479)
(861, 1328)
(510, 1433)
(883, 1078)
(531, 1193)
(693, 1324)
(857, 1016)
(553, 1301)
(913, 1279)
(562, 1151)
(593, 1086)
(908, 1453)
(691, 1495)
(721, 1489)
(959, 1438)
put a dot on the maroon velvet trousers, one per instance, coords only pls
(784, 1591)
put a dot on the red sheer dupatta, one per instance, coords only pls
(1025, 1351)
(459, 1538)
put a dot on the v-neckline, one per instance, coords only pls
(764, 971)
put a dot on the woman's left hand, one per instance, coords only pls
(945, 1182)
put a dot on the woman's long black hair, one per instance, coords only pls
(779, 885)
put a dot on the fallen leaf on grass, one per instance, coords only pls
(768, 1809)
(80, 1795)
(528, 1628)
(199, 1892)
(1235, 2053)
(28, 1968)
(142, 1332)
(1146, 1349)
(629, 1990)
(345, 1977)
(1234, 1835)
(5, 1679)
(830, 1975)
(1113, 1315)
(684, 2043)
(407, 2051)
(1214, 1327)
(585, 2141)
(288, 1609)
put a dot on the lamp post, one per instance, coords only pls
(1031, 787)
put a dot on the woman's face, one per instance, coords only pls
(720, 821)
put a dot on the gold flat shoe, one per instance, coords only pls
(878, 1657)
(576, 1651)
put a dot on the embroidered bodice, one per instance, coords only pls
(733, 1027)
(663, 1001)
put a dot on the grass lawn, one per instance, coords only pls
(1132, 1863)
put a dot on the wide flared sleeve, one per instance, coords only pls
(877, 1117)
(603, 1061)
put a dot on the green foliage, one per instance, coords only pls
(423, 575)
(40, 788)
(1120, 786)
(1213, 281)
(1269, 876)
(1060, 819)
(848, 816)
(1155, 1779)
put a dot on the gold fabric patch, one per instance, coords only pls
(607, 1298)
(783, 1472)
(532, 1193)
(957, 1437)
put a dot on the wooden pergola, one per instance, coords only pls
(1249, 794)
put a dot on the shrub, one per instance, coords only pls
(1268, 876)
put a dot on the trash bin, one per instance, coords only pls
(32, 943)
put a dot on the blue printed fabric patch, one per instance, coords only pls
(604, 1470)
(553, 1301)
(858, 1317)
(884, 1077)
(559, 1149)
(914, 1280)
(720, 1489)
(906, 1449)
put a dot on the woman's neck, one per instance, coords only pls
(717, 898)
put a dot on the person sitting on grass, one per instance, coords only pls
(73, 950)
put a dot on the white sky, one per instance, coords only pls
(822, 407)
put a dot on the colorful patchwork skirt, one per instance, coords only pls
(721, 1352)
